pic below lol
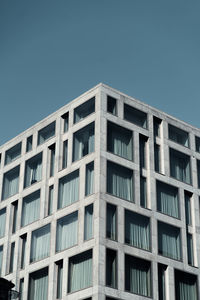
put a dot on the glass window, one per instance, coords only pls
(188, 214)
(68, 189)
(111, 222)
(67, 230)
(50, 200)
(137, 276)
(65, 154)
(14, 216)
(33, 170)
(84, 110)
(52, 150)
(156, 126)
(1, 258)
(89, 179)
(111, 105)
(10, 183)
(2, 222)
(119, 141)
(12, 257)
(23, 250)
(80, 271)
(197, 142)
(198, 172)
(59, 266)
(13, 153)
(46, 133)
(137, 230)
(185, 286)
(38, 285)
(30, 208)
(157, 160)
(29, 143)
(135, 116)
(65, 118)
(169, 241)
(190, 249)
(143, 151)
(119, 181)
(21, 289)
(180, 166)
(178, 135)
(143, 191)
(111, 268)
(83, 142)
(40, 243)
(162, 281)
(167, 199)
(88, 222)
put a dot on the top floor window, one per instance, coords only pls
(180, 166)
(135, 116)
(33, 170)
(84, 110)
(46, 133)
(111, 105)
(13, 153)
(178, 135)
(197, 143)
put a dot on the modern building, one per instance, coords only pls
(101, 200)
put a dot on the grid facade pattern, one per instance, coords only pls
(101, 201)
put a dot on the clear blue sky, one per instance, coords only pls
(51, 51)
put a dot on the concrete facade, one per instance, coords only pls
(100, 197)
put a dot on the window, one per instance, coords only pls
(156, 126)
(190, 249)
(178, 135)
(135, 116)
(119, 141)
(198, 172)
(89, 179)
(59, 266)
(137, 230)
(67, 230)
(21, 288)
(111, 268)
(197, 142)
(12, 257)
(30, 208)
(185, 286)
(111, 105)
(137, 276)
(14, 216)
(50, 200)
(111, 222)
(180, 166)
(188, 214)
(157, 160)
(13, 153)
(23, 249)
(83, 142)
(40, 243)
(143, 151)
(10, 183)
(119, 181)
(0, 159)
(38, 285)
(2, 222)
(169, 241)
(65, 118)
(167, 199)
(80, 271)
(143, 191)
(46, 133)
(1, 259)
(29, 143)
(68, 189)
(52, 150)
(65, 154)
(84, 110)
(33, 170)
(162, 281)
(88, 222)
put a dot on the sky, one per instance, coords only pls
(52, 51)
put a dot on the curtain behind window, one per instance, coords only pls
(40, 243)
(68, 189)
(167, 199)
(88, 222)
(2, 221)
(30, 208)
(89, 183)
(38, 285)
